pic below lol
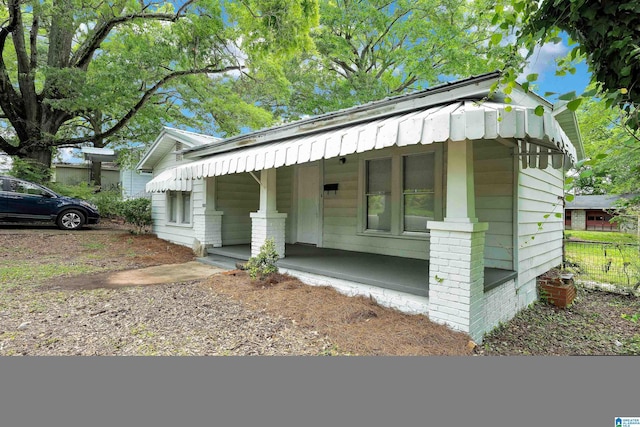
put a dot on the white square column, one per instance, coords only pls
(456, 250)
(207, 222)
(267, 222)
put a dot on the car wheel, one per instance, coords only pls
(70, 220)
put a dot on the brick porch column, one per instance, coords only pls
(267, 221)
(207, 222)
(456, 276)
(456, 250)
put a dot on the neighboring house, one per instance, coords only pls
(133, 183)
(594, 213)
(430, 201)
(76, 173)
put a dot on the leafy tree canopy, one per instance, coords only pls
(93, 72)
(370, 49)
(614, 167)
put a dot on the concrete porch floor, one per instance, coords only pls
(387, 272)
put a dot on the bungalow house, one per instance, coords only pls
(429, 202)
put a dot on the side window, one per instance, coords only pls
(418, 191)
(23, 187)
(179, 207)
(378, 194)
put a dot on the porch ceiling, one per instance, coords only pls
(456, 121)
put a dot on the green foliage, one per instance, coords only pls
(108, 203)
(137, 212)
(111, 73)
(30, 170)
(264, 264)
(613, 166)
(82, 191)
(605, 34)
(371, 49)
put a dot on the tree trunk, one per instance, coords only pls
(96, 173)
(40, 160)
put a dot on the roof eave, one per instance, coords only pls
(470, 87)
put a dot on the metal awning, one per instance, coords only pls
(455, 121)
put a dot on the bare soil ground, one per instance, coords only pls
(228, 314)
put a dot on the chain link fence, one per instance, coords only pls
(607, 263)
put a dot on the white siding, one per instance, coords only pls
(539, 238)
(237, 195)
(494, 184)
(340, 219)
(179, 234)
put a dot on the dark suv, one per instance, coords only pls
(25, 201)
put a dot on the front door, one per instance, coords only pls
(308, 203)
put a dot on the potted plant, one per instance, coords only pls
(557, 287)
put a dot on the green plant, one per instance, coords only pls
(109, 203)
(30, 170)
(80, 191)
(264, 264)
(137, 212)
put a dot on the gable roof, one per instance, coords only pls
(165, 142)
(606, 201)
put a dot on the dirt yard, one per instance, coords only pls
(54, 301)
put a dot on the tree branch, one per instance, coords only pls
(143, 100)
(84, 54)
(7, 148)
(33, 40)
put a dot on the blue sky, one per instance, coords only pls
(542, 62)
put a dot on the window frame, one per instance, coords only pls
(181, 220)
(397, 155)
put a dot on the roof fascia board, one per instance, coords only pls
(165, 132)
(471, 88)
(562, 110)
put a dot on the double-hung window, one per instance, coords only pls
(179, 207)
(402, 192)
(418, 191)
(378, 194)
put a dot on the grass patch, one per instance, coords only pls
(614, 263)
(94, 246)
(32, 274)
(601, 236)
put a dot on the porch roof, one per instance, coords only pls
(459, 120)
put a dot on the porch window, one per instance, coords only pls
(402, 191)
(179, 207)
(378, 194)
(418, 191)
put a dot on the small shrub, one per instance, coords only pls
(137, 212)
(109, 203)
(263, 264)
(82, 191)
(30, 170)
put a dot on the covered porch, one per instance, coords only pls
(407, 275)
